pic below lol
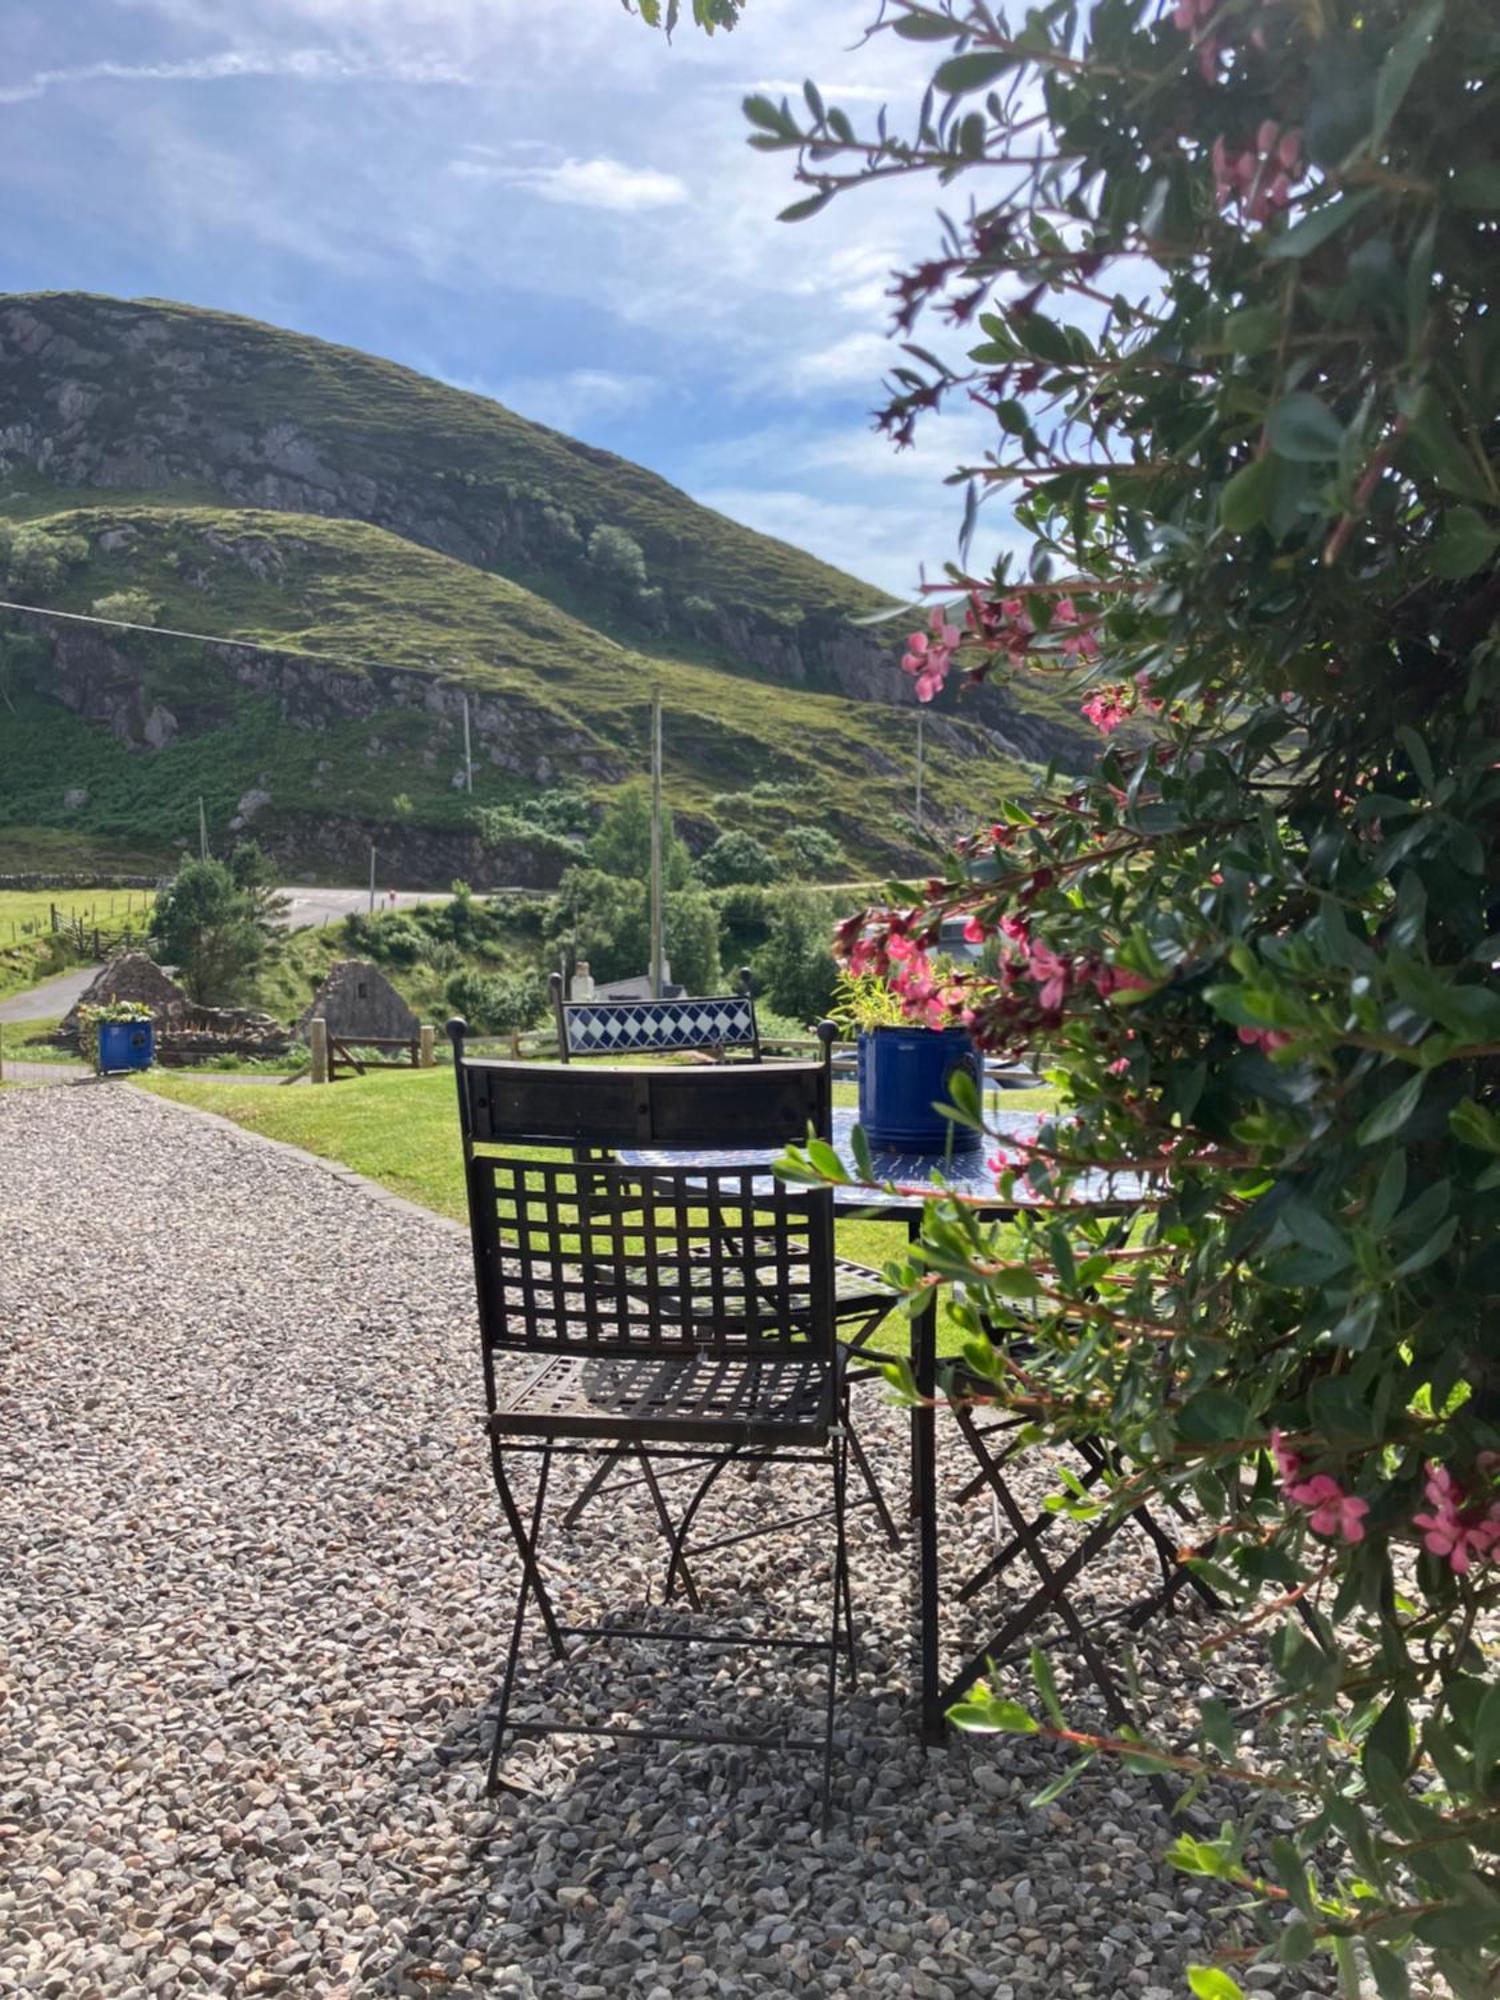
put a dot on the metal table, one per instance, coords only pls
(966, 1173)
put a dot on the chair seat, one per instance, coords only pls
(709, 1397)
(858, 1290)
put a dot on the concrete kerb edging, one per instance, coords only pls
(334, 1169)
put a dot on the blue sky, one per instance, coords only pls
(536, 199)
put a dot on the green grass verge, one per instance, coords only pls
(402, 1131)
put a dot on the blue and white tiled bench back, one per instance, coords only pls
(717, 1026)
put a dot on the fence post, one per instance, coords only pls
(425, 1056)
(317, 1041)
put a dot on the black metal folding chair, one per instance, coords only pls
(685, 1317)
(716, 1031)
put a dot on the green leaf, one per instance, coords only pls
(1389, 1116)
(1389, 1974)
(1253, 330)
(925, 28)
(1487, 1737)
(1315, 1232)
(1212, 1417)
(1407, 54)
(1337, 1411)
(1461, 1927)
(1198, 1857)
(1316, 228)
(972, 72)
(1046, 1686)
(985, 1714)
(1210, 1982)
(1465, 544)
(1246, 499)
(799, 211)
(1042, 338)
(1301, 427)
(1472, 1125)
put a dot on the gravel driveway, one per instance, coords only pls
(251, 1599)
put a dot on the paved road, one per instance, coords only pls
(321, 906)
(42, 1002)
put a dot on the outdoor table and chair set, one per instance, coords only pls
(653, 1299)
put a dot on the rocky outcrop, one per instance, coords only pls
(337, 847)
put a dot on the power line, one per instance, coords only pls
(218, 639)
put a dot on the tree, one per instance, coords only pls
(1228, 288)
(737, 857)
(207, 925)
(796, 965)
(813, 852)
(621, 844)
(692, 941)
(617, 560)
(505, 1003)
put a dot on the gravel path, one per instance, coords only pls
(251, 1608)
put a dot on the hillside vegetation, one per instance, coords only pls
(389, 544)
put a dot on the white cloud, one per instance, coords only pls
(599, 183)
(571, 400)
(305, 65)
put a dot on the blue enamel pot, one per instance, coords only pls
(904, 1074)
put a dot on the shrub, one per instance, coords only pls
(796, 965)
(618, 560)
(737, 857)
(812, 851)
(1229, 288)
(506, 1003)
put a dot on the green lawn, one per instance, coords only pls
(401, 1129)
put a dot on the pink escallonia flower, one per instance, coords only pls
(1051, 974)
(929, 655)
(1288, 1465)
(1105, 711)
(1456, 1530)
(1268, 1039)
(1332, 1510)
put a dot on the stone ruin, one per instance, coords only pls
(185, 1031)
(360, 1004)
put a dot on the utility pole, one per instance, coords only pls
(202, 832)
(372, 881)
(656, 909)
(468, 757)
(920, 720)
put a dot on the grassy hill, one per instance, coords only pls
(386, 543)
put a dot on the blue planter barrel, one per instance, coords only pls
(126, 1045)
(903, 1074)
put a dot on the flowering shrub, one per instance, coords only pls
(1228, 290)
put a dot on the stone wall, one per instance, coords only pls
(357, 1001)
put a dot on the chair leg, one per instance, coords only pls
(689, 1587)
(840, 1598)
(595, 1480)
(679, 1539)
(867, 1473)
(531, 1576)
(530, 1581)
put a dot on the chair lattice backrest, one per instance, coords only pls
(596, 1259)
(715, 1025)
(587, 1256)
